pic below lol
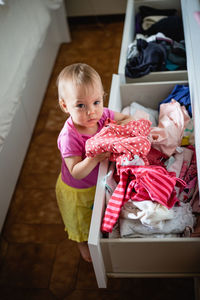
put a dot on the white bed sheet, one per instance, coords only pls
(23, 26)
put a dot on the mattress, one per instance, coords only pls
(23, 26)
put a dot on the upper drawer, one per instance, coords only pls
(129, 35)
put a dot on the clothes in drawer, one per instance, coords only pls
(171, 72)
(138, 257)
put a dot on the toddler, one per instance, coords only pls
(81, 96)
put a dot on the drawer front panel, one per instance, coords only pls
(152, 256)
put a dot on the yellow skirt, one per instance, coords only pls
(75, 206)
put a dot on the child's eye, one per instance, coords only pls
(97, 102)
(82, 106)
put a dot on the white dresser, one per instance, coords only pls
(169, 257)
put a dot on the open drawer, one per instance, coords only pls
(129, 35)
(138, 257)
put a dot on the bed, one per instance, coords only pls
(31, 33)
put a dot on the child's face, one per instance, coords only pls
(84, 106)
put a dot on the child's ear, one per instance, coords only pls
(63, 105)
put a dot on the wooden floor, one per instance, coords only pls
(38, 262)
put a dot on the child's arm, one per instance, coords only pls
(79, 168)
(121, 118)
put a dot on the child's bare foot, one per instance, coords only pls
(84, 250)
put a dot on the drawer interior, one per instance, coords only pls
(147, 256)
(129, 35)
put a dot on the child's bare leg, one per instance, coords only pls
(84, 250)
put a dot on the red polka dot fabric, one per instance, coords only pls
(121, 140)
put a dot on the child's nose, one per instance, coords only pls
(91, 110)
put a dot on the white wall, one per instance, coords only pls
(79, 8)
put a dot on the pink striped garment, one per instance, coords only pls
(141, 183)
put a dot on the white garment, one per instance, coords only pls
(153, 114)
(183, 217)
(150, 20)
(149, 213)
(135, 108)
(109, 182)
(137, 161)
(132, 50)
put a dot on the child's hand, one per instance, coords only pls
(100, 157)
(122, 119)
(125, 121)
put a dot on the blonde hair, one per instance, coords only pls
(80, 75)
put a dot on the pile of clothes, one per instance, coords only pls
(158, 45)
(151, 185)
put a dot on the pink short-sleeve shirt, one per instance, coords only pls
(72, 143)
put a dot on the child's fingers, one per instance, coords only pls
(107, 154)
(103, 156)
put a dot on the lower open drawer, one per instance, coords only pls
(138, 257)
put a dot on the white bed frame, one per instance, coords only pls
(16, 144)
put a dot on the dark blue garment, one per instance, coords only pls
(175, 53)
(151, 57)
(181, 94)
(138, 23)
